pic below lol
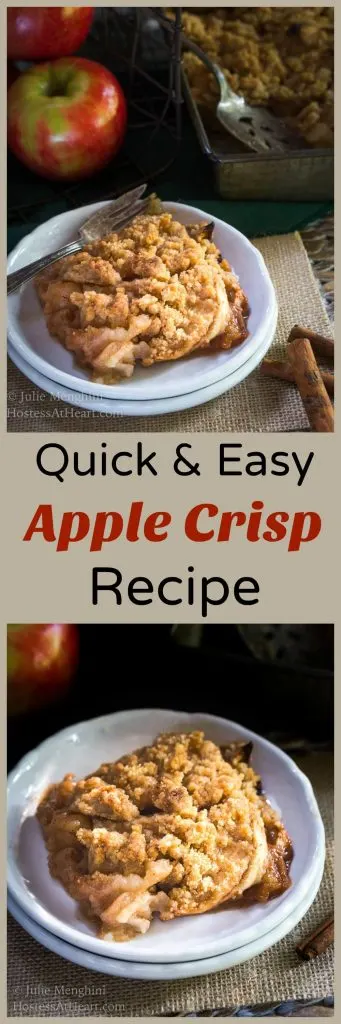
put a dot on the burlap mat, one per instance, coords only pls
(40, 984)
(254, 405)
(318, 239)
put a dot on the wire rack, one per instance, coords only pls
(132, 43)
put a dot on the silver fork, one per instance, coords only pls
(113, 217)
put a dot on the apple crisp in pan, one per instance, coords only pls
(278, 57)
(175, 828)
(156, 291)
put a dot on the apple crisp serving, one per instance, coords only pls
(154, 292)
(279, 57)
(174, 828)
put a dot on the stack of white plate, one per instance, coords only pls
(185, 947)
(164, 387)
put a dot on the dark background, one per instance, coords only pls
(132, 666)
(161, 146)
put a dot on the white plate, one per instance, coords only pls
(29, 335)
(157, 407)
(80, 749)
(164, 972)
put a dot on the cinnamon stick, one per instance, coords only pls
(283, 371)
(321, 346)
(318, 941)
(314, 396)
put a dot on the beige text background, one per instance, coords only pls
(297, 586)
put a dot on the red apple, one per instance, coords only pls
(40, 33)
(41, 661)
(67, 118)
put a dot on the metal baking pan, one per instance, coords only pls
(305, 174)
